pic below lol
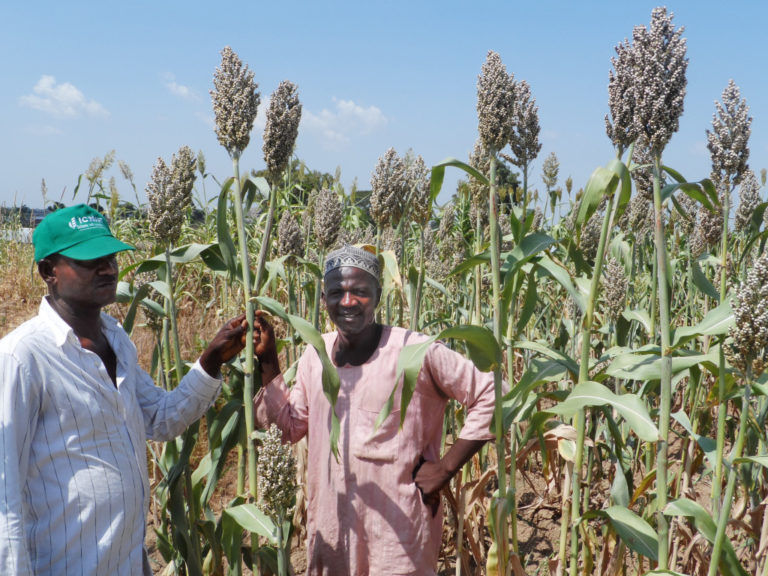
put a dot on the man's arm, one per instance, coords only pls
(431, 477)
(18, 418)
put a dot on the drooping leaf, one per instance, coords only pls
(602, 182)
(632, 408)
(715, 323)
(438, 174)
(708, 445)
(249, 517)
(633, 530)
(702, 520)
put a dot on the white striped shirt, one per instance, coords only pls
(74, 489)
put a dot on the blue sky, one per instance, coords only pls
(83, 78)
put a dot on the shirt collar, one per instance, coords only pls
(62, 331)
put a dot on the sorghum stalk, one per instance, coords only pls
(501, 526)
(665, 401)
(579, 421)
(248, 367)
(725, 512)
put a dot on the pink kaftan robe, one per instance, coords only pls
(365, 514)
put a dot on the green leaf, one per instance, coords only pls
(254, 520)
(708, 445)
(529, 304)
(602, 183)
(226, 244)
(482, 347)
(549, 267)
(702, 282)
(438, 174)
(715, 323)
(634, 366)
(703, 522)
(314, 338)
(631, 407)
(702, 191)
(561, 358)
(634, 531)
(641, 316)
(759, 460)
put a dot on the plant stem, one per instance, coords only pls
(500, 507)
(665, 402)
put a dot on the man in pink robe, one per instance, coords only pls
(375, 510)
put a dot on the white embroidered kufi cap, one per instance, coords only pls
(364, 258)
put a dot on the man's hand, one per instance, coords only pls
(228, 342)
(431, 477)
(265, 347)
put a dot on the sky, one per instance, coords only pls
(80, 79)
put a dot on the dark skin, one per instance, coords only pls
(79, 289)
(351, 296)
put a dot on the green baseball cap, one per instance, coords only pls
(77, 232)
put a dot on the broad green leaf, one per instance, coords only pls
(549, 267)
(226, 244)
(633, 366)
(702, 520)
(561, 358)
(702, 191)
(529, 304)
(254, 520)
(759, 460)
(391, 281)
(702, 282)
(602, 183)
(632, 408)
(471, 262)
(641, 316)
(438, 174)
(633, 530)
(314, 338)
(708, 445)
(715, 323)
(625, 191)
(481, 344)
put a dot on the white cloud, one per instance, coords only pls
(184, 92)
(346, 120)
(61, 100)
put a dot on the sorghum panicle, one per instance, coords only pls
(290, 240)
(480, 160)
(749, 198)
(389, 187)
(276, 470)
(659, 79)
(495, 102)
(524, 138)
(749, 348)
(419, 190)
(728, 141)
(621, 101)
(282, 128)
(550, 169)
(235, 102)
(170, 195)
(615, 289)
(327, 218)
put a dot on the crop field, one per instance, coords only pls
(629, 315)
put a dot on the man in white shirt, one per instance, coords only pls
(76, 410)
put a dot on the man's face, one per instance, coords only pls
(351, 296)
(83, 283)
